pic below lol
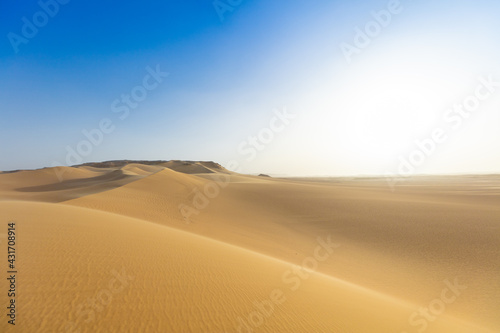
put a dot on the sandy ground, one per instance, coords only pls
(191, 247)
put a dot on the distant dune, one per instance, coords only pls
(185, 246)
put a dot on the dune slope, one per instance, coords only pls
(250, 240)
(90, 271)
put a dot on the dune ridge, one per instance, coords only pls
(396, 250)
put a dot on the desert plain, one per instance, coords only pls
(134, 246)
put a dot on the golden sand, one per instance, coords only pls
(191, 247)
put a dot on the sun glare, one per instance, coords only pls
(386, 110)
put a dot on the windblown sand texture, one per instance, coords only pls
(107, 249)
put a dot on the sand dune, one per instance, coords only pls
(174, 281)
(194, 167)
(141, 169)
(384, 256)
(64, 183)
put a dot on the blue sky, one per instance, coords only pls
(227, 76)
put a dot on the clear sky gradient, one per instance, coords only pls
(232, 67)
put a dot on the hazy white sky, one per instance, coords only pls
(359, 111)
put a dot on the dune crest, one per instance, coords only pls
(261, 254)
